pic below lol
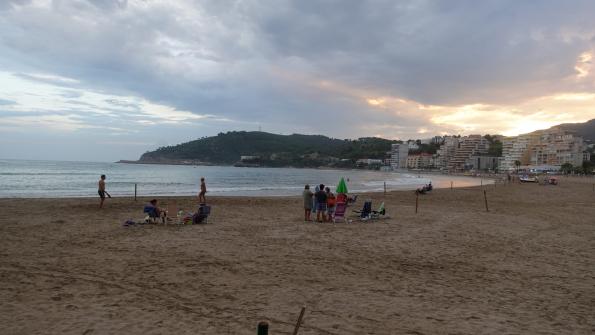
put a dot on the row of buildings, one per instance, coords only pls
(541, 150)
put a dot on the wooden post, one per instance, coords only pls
(134, 191)
(416, 201)
(299, 321)
(451, 185)
(384, 188)
(485, 198)
(263, 328)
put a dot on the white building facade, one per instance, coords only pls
(398, 156)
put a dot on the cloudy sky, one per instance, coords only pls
(103, 80)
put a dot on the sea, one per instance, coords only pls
(61, 179)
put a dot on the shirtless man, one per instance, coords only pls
(101, 190)
(203, 190)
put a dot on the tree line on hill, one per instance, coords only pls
(273, 150)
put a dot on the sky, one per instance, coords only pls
(105, 80)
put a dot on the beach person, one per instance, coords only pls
(330, 203)
(307, 194)
(203, 190)
(314, 203)
(152, 209)
(101, 190)
(321, 204)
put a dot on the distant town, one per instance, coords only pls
(554, 149)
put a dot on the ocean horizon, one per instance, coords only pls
(65, 179)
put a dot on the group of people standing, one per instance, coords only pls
(322, 202)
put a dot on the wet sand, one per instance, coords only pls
(525, 267)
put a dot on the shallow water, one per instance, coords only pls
(28, 179)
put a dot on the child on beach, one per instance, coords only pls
(101, 190)
(307, 194)
(321, 204)
(203, 190)
(330, 203)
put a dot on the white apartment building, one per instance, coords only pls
(446, 151)
(412, 145)
(468, 146)
(515, 149)
(398, 156)
(419, 161)
(552, 147)
(557, 147)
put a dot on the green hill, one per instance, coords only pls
(272, 149)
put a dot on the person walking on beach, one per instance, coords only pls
(321, 204)
(307, 194)
(203, 190)
(101, 190)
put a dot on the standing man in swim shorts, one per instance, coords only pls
(101, 190)
(203, 190)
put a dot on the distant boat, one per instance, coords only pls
(528, 179)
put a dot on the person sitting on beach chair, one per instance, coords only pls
(421, 190)
(153, 211)
(202, 216)
(366, 210)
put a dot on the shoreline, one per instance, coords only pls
(276, 196)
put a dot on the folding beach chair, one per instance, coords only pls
(340, 209)
(380, 213)
(366, 210)
(202, 216)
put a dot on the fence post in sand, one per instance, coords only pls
(384, 188)
(263, 328)
(485, 198)
(299, 321)
(416, 201)
(451, 185)
(134, 191)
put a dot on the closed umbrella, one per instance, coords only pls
(342, 186)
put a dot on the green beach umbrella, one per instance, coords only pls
(342, 187)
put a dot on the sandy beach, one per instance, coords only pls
(525, 267)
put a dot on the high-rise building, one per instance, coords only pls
(471, 145)
(515, 149)
(552, 147)
(398, 156)
(446, 151)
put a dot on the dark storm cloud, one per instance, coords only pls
(259, 61)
